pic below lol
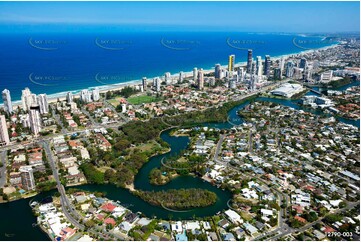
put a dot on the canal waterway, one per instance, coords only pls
(18, 221)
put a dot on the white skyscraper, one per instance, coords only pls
(43, 103)
(259, 66)
(282, 65)
(85, 96)
(96, 94)
(4, 135)
(157, 84)
(167, 77)
(69, 97)
(8, 107)
(195, 74)
(26, 99)
(34, 118)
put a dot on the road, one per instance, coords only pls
(3, 173)
(309, 225)
(219, 147)
(69, 210)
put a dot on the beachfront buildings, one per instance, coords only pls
(43, 103)
(144, 84)
(267, 65)
(4, 135)
(200, 80)
(8, 107)
(231, 60)
(249, 61)
(87, 96)
(35, 119)
(69, 97)
(26, 99)
(259, 66)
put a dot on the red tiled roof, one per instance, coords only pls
(108, 207)
(302, 220)
(110, 221)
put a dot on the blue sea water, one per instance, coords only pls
(59, 62)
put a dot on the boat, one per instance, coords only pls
(33, 204)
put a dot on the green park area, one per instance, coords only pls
(136, 100)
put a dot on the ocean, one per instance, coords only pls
(57, 62)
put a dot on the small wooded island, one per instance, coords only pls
(179, 198)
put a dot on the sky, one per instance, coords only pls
(297, 17)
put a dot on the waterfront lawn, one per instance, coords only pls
(136, 100)
(145, 147)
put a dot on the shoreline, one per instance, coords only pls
(132, 83)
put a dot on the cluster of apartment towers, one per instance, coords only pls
(34, 105)
(255, 72)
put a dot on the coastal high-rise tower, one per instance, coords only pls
(181, 75)
(249, 61)
(4, 134)
(167, 77)
(8, 107)
(231, 60)
(277, 74)
(96, 94)
(267, 65)
(144, 83)
(43, 103)
(303, 63)
(200, 80)
(34, 118)
(282, 65)
(217, 71)
(85, 96)
(195, 74)
(69, 97)
(26, 99)
(289, 69)
(259, 66)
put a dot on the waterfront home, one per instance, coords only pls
(177, 227)
(250, 229)
(228, 237)
(108, 207)
(233, 216)
(239, 232)
(223, 223)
